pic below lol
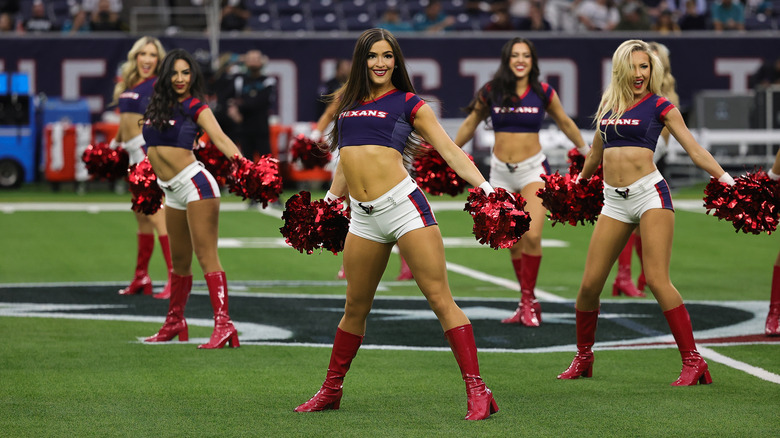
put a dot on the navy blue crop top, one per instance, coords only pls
(386, 121)
(525, 114)
(135, 100)
(182, 130)
(640, 125)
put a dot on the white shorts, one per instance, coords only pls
(628, 204)
(191, 184)
(514, 176)
(402, 209)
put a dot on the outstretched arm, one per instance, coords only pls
(208, 122)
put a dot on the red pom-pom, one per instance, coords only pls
(311, 225)
(104, 163)
(258, 181)
(576, 161)
(215, 161)
(499, 218)
(435, 176)
(308, 152)
(147, 195)
(571, 202)
(751, 204)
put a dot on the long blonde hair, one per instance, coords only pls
(618, 97)
(128, 72)
(668, 83)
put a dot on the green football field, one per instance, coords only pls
(72, 363)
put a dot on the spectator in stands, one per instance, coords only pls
(174, 116)
(76, 18)
(252, 104)
(728, 15)
(234, 16)
(535, 20)
(598, 15)
(636, 193)
(103, 19)
(433, 19)
(89, 12)
(633, 17)
(39, 19)
(6, 22)
(330, 86)
(391, 20)
(767, 74)
(691, 18)
(9, 9)
(500, 20)
(665, 24)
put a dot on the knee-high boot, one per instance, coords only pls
(640, 281)
(141, 281)
(480, 404)
(166, 250)
(224, 331)
(345, 347)
(623, 283)
(175, 324)
(529, 311)
(582, 365)
(694, 369)
(405, 273)
(772, 327)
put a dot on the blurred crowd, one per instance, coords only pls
(664, 16)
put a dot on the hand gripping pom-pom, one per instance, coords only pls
(215, 162)
(308, 152)
(258, 181)
(576, 161)
(571, 202)
(147, 194)
(751, 204)
(435, 176)
(312, 225)
(104, 163)
(499, 218)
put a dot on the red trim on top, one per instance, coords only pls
(666, 111)
(414, 110)
(526, 92)
(384, 95)
(647, 96)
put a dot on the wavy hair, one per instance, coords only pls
(358, 86)
(503, 86)
(619, 96)
(128, 71)
(668, 83)
(165, 99)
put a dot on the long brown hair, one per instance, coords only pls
(503, 86)
(357, 89)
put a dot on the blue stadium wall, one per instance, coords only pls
(446, 69)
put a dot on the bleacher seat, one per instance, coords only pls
(321, 7)
(260, 6)
(296, 21)
(359, 23)
(263, 21)
(290, 7)
(464, 21)
(328, 21)
(353, 8)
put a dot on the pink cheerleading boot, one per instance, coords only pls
(224, 331)
(141, 282)
(694, 369)
(175, 324)
(582, 365)
(480, 402)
